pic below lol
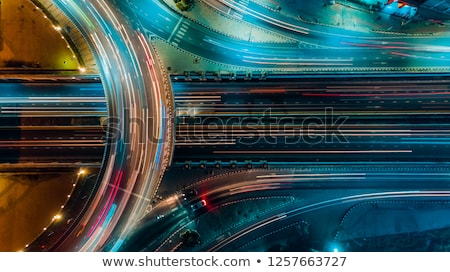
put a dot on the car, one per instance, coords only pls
(198, 205)
(189, 194)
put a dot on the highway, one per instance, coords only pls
(298, 121)
(135, 89)
(325, 119)
(305, 119)
(43, 121)
(350, 50)
(395, 126)
(303, 192)
(278, 222)
(320, 120)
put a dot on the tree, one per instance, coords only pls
(184, 5)
(190, 238)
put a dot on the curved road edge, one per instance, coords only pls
(139, 128)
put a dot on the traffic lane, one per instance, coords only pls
(288, 26)
(264, 94)
(122, 43)
(80, 198)
(220, 117)
(281, 55)
(292, 82)
(347, 59)
(233, 187)
(172, 22)
(53, 155)
(196, 117)
(321, 34)
(159, 217)
(52, 144)
(53, 132)
(149, 235)
(52, 108)
(314, 127)
(54, 89)
(126, 160)
(371, 134)
(223, 50)
(23, 144)
(235, 190)
(316, 199)
(266, 89)
(301, 93)
(307, 231)
(228, 188)
(196, 111)
(200, 34)
(196, 43)
(332, 209)
(313, 145)
(160, 21)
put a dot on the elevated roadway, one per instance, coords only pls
(136, 89)
(279, 119)
(139, 104)
(306, 194)
(328, 48)
(305, 120)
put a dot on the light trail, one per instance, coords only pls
(127, 68)
(321, 205)
(309, 151)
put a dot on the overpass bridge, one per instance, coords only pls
(242, 121)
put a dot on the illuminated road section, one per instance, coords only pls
(140, 128)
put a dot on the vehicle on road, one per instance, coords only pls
(198, 205)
